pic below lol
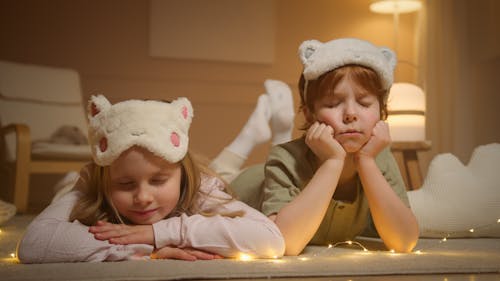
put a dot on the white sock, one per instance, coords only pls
(283, 114)
(255, 131)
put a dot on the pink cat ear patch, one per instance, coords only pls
(174, 139)
(103, 144)
(93, 110)
(184, 112)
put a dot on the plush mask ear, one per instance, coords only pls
(184, 110)
(96, 105)
(307, 49)
(390, 56)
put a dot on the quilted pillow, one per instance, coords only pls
(458, 200)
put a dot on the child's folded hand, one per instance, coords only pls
(122, 233)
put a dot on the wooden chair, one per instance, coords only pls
(34, 102)
(406, 154)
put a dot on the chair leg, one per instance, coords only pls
(21, 188)
(23, 169)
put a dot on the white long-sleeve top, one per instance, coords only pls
(51, 237)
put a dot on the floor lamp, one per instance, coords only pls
(406, 105)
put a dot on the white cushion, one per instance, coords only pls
(45, 150)
(456, 198)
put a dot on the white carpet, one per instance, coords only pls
(453, 256)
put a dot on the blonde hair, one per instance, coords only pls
(95, 204)
(365, 77)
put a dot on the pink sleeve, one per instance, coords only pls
(252, 233)
(50, 237)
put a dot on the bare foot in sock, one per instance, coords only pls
(282, 109)
(255, 131)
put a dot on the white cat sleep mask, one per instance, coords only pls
(160, 127)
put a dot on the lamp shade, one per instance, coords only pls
(406, 108)
(395, 6)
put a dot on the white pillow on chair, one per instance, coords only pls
(456, 198)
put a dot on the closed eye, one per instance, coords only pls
(125, 185)
(158, 181)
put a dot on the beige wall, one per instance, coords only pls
(107, 42)
(462, 72)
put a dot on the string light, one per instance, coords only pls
(244, 257)
(349, 242)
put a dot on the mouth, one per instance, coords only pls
(350, 133)
(145, 213)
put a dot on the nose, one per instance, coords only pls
(349, 118)
(350, 114)
(143, 196)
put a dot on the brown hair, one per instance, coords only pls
(95, 204)
(326, 83)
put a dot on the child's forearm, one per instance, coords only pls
(50, 237)
(300, 219)
(253, 234)
(395, 222)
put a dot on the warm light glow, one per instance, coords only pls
(471, 230)
(406, 106)
(444, 239)
(418, 252)
(244, 257)
(348, 242)
(395, 6)
(392, 251)
(13, 255)
(303, 259)
(498, 221)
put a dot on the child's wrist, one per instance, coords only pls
(362, 159)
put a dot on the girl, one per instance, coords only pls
(340, 177)
(145, 196)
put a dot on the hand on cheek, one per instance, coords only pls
(319, 138)
(379, 139)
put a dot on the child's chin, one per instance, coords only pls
(351, 147)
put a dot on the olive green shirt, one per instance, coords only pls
(287, 171)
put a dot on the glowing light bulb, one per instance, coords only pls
(471, 230)
(13, 255)
(349, 242)
(392, 251)
(444, 239)
(329, 246)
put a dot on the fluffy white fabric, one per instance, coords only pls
(160, 127)
(456, 198)
(319, 58)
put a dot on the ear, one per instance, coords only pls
(390, 57)
(184, 110)
(96, 105)
(308, 115)
(307, 49)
